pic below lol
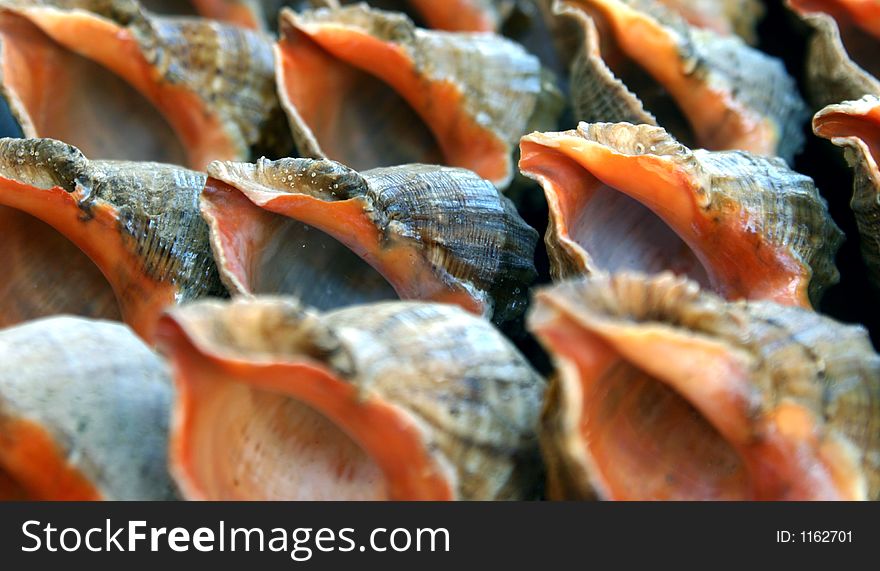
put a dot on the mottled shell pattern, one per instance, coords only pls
(433, 374)
(477, 93)
(139, 222)
(434, 232)
(202, 75)
(758, 229)
(855, 126)
(731, 96)
(84, 413)
(667, 392)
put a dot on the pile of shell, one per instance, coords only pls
(247, 265)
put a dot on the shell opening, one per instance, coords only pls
(71, 98)
(615, 231)
(46, 274)
(632, 237)
(257, 445)
(355, 118)
(323, 273)
(649, 442)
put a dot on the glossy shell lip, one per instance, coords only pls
(661, 177)
(634, 362)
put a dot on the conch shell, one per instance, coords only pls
(67, 220)
(313, 228)
(667, 392)
(84, 411)
(855, 126)
(399, 400)
(92, 72)
(842, 62)
(368, 88)
(642, 63)
(630, 197)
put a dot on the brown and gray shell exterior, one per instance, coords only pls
(469, 232)
(474, 395)
(157, 207)
(230, 69)
(730, 188)
(103, 397)
(504, 89)
(863, 160)
(756, 85)
(832, 75)
(792, 355)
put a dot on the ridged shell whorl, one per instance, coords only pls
(745, 225)
(435, 233)
(434, 374)
(753, 400)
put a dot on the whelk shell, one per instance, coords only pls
(842, 63)
(400, 400)
(311, 227)
(368, 88)
(625, 196)
(67, 220)
(84, 411)
(666, 392)
(710, 91)
(91, 72)
(855, 126)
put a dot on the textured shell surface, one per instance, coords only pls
(741, 215)
(151, 209)
(469, 235)
(473, 397)
(842, 61)
(101, 398)
(768, 379)
(855, 126)
(477, 93)
(202, 75)
(726, 94)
